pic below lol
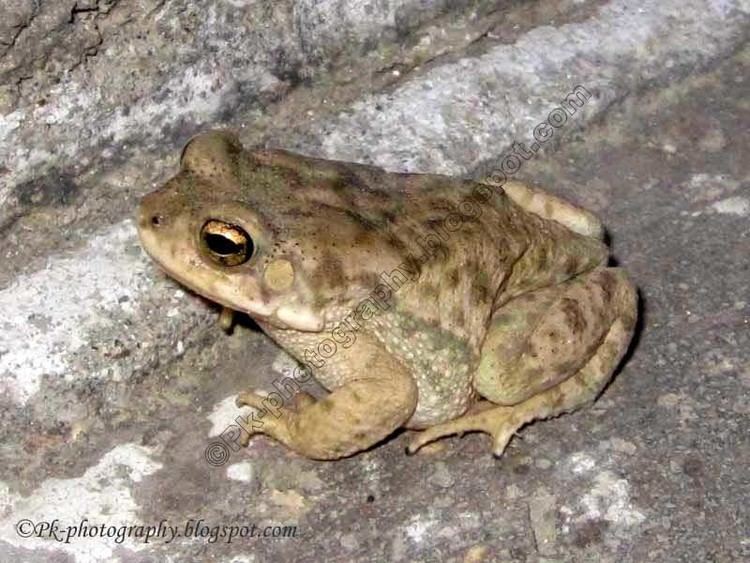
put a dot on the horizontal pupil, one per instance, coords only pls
(222, 245)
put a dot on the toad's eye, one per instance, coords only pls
(226, 244)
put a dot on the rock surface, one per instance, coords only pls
(116, 381)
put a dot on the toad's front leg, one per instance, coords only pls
(357, 415)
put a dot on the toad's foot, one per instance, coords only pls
(499, 422)
(351, 418)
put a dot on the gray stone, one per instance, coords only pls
(115, 381)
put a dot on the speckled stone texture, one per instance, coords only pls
(115, 381)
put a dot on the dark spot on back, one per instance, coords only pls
(429, 290)
(608, 284)
(480, 293)
(559, 399)
(458, 315)
(435, 251)
(413, 265)
(389, 216)
(395, 242)
(444, 205)
(542, 260)
(361, 220)
(330, 269)
(299, 212)
(377, 193)
(326, 405)
(368, 279)
(453, 278)
(434, 223)
(573, 316)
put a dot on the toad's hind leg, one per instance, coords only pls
(535, 369)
